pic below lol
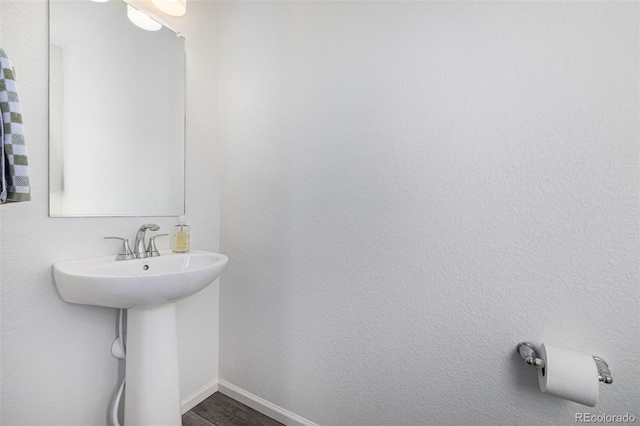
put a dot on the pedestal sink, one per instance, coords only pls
(148, 288)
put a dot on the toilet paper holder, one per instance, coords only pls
(528, 353)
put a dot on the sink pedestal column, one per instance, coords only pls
(152, 393)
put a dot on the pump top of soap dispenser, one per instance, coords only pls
(182, 220)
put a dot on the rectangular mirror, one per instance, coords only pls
(116, 113)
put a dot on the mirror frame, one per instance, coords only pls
(184, 132)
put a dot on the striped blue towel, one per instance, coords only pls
(14, 168)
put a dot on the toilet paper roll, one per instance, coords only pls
(569, 375)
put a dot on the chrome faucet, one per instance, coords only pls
(140, 248)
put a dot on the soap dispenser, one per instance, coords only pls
(181, 236)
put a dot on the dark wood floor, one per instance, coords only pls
(220, 410)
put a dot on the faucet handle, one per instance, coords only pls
(152, 250)
(125, 250)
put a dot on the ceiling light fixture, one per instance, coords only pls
(142, 20)
(171, 7)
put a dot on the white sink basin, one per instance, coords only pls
(148, 289)
(137, 283)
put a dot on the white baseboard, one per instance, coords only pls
(198, 396)
(265, 407)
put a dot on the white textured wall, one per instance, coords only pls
(411, 188)
(56, 363)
